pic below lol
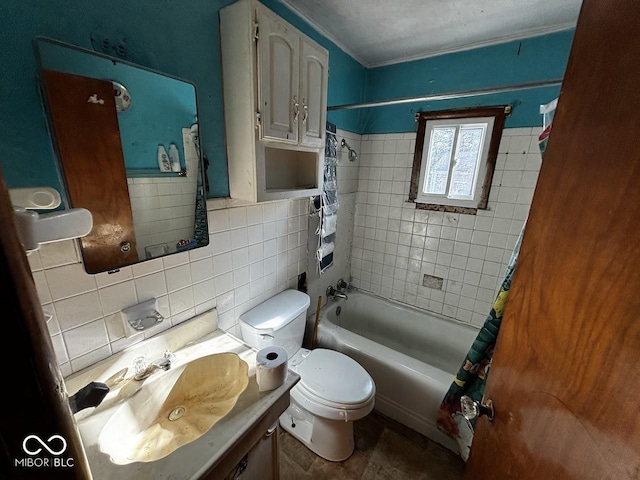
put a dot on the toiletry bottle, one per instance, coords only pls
(163, 159)
(174, 157)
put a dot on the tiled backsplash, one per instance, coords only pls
(395, 245)
(254, 253)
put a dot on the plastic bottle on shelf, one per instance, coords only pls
(163, 159)
(174, 157)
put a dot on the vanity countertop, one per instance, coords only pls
(193, 339)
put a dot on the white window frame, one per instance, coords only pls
(481, 169)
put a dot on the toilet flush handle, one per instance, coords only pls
(267, 334)
(345, 415)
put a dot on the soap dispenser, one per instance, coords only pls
(174, 157)
(163, 159)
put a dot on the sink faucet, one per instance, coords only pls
(143, 370)
(333, 293)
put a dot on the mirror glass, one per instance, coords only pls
(129, 150)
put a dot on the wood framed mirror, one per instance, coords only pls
(108, 119)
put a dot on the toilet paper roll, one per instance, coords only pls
(271, 368)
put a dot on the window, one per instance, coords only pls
(455, 157)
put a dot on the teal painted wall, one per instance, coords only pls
(182, 40)
(177, 38)
(524, 61)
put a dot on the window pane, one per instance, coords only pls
(468, 154)
(439, 159)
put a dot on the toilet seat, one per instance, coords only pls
(333, 386)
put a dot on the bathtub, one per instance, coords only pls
(412, 355)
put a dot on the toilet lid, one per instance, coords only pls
(335, 377)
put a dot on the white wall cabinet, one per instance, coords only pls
(275, 102)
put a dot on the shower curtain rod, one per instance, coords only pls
(448, 96)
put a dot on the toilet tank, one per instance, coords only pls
(279, 320)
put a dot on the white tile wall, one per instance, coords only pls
(347, 176)
(383, 244)
(254, 253)
(394, 244)
(163, 210)
(347, 171)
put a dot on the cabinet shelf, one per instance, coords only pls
(290, 169)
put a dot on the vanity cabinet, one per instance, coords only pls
(255, 455)
(275, 102)
(261, 462)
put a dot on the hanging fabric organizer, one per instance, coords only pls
(327, 203)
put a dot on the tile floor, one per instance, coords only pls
(385, 450)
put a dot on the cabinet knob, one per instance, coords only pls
(305, 114)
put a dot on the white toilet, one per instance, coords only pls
(333, 391)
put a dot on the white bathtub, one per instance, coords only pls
(411, 354)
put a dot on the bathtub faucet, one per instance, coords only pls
(333, 293)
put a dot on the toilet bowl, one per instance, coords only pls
(334, 390)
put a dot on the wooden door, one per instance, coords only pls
(34, 399)
(564, 378)
(85, 126)
(313, 92)
(278, 71)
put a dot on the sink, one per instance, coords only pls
(174, 409)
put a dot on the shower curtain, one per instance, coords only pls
(472, 375)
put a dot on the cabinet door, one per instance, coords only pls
(278, 71)
(261, 462)
(313, 92)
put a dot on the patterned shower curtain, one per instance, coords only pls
(472, 375)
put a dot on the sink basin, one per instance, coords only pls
(175, 409)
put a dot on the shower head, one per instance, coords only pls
(353, 156)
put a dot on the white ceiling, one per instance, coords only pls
(377, 33)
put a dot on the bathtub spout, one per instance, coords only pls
(333, 293)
